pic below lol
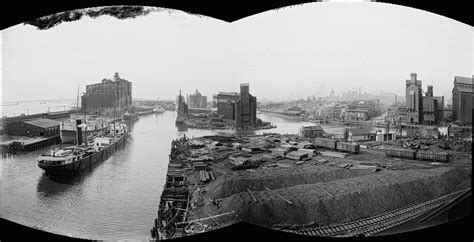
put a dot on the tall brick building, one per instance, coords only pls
(108, 94)
(414, 100)
(462, 100)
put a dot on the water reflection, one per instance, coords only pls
(50, 187)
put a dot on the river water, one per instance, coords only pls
(118, 199)
(11, 109)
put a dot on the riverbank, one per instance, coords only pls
(217, 124)
(224, 180)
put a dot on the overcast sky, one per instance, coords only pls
(293, 52)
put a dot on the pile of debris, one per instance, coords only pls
(432, 144)
(179, 149)
(248, 163)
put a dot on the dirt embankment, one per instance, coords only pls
(350, 197)
(274, 178)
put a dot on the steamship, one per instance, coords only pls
(73, 159)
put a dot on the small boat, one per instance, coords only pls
(130, 117)
(159, 109)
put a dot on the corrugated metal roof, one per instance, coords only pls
(43, 122)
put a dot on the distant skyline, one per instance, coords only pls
(294, 52)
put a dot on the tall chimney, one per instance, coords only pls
(429, 93)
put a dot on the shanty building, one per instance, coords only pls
(360, 134)
(414, 100)
(462, 100)
(41, 127)
(108, 94)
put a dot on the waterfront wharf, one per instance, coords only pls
(27, 144)
(216, 181)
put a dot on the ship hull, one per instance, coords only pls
(86, 163)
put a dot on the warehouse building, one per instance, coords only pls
(40, 127)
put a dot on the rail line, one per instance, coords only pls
(377, 223)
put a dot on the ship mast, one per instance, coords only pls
(85, 123)
(115, 104)
(77, 100)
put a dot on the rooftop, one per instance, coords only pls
(463, 80)
(359, 131)
(358, 110)
(43, 122)
(315, 127)
(228, 93)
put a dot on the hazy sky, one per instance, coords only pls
(289, 53)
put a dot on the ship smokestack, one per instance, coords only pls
(79, 131)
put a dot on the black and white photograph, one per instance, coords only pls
(333, 119)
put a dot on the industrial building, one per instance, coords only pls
(116, 93)
(197, 100)
(355, 114)
(414, 100)
(330, 112)
(462, 100)
(41, 127)
(433, 108)
(182, 106)
(312, 131)
(226, 104)
(245, 108)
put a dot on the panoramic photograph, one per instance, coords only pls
(320, 119)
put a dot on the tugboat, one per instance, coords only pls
(73, 159)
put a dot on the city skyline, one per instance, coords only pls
(379, 51)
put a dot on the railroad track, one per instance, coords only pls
(220, 199)
(378, 223)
